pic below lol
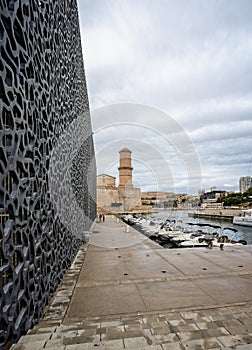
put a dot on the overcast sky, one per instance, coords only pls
(172, 81)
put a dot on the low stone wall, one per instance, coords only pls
(224, 211)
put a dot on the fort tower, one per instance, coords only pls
(125, 168)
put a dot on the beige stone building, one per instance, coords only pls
(125, 197)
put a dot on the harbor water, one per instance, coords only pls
(222, 227)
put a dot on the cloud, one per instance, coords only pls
(189, 59)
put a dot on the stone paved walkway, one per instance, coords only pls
(125, 292)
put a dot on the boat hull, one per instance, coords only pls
(242, 220)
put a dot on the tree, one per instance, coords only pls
(248, 192)
(233, 199)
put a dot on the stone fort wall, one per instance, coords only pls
(44, 106)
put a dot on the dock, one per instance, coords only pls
(124, 291)
(211, 216)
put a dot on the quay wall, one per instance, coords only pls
(218, 214)
(224, 211)
(43, 100)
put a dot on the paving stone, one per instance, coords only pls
(111, 324)
(132, 334)
(47, 323)
(165, 338)
(87, 346)
(135, 343)
(106, 345)
(246, 321)
(162, 318)
(154, 324)
(231, 340)
(177, 322)
(173, 316)
(248, 338)
(86, 332)
(100, 330)
(32, 338)
(174, 329)
(51, 343)
(114, 332)
(149, 347)
(217, 324)
(215, 332)
(202, 344)
(36, 345)
(42, 330)
(173, 346)
(147, 333)
(235, 327)
(55, 347)
(244, 347)
(145, 326)
(90, 326)
(206, 325)
(66, 328)
(64, 334)
(189, 315)
(81, 340)
(217, 318)
(94, 324)
(190, 335)
(133, 327)
(188, 328)
(240, 315)
(160, 330)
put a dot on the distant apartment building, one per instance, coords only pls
(245, 183)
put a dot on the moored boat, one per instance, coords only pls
(170, 234)
(245, 220)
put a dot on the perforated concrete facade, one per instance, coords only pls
(43, 107)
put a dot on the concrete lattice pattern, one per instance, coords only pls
(42, 91)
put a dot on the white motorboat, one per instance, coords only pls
(245, 220)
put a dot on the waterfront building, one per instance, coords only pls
(106, 181)
(107, 193)
(211, 199)
(245, 183)
(125, 197)
(47, 181)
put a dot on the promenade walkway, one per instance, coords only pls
(124, 291)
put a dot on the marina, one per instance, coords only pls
(177, 229)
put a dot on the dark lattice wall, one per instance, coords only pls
(42, 92)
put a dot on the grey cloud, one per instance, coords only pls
(189, 58)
